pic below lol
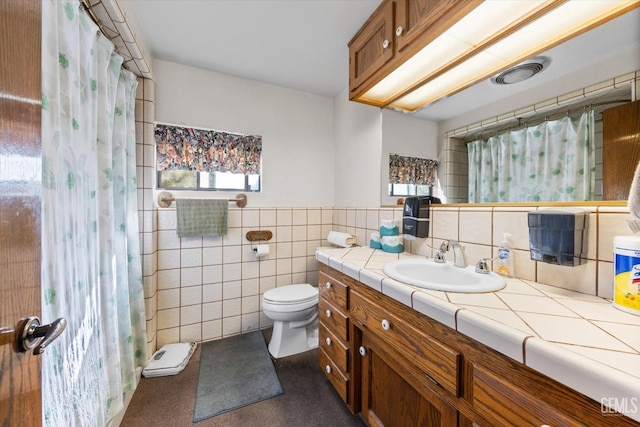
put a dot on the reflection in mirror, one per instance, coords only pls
(453, 172)
(411, 176)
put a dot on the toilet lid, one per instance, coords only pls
(291, 294)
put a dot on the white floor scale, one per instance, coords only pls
(171, 359)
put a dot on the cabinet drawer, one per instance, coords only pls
(502, 404)
(334, 319)
(332, 290)
(337, 378)
(438, 363)
(334, 347)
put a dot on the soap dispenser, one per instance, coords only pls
(505, 257)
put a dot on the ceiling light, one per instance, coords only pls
(521, 72)
(494, 36)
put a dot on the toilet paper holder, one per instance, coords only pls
(259, 235)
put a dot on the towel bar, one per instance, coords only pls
(165, 199)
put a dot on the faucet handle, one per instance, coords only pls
(482, 267)
(438, 257)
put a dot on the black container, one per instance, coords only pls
(418, 227)
(415, 215)
(418, 207)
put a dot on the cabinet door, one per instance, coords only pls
(426, 19)
(388, 399)
(372, 46)
(620, 149)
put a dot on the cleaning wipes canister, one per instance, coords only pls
(626, 273)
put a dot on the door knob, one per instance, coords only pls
(30, 330)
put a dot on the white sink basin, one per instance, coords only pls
(425, 273)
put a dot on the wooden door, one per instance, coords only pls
(20, 171)
(620, 149)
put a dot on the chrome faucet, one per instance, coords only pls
(458, 252)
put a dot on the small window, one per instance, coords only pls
(410, 190)
(198, 159)
(411, 176)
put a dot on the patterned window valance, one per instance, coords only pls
(180, 148)
(412, 170)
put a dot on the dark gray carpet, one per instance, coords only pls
(234, 372)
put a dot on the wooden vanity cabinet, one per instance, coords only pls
(402, 368)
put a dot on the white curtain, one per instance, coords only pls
(553, 161)
(91, 272)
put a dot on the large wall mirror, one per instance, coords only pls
(595, 71)
(616, 141)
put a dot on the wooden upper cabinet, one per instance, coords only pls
(404, 27)
(620, 149)
(372, 46)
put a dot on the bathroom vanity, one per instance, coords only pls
(400, 367)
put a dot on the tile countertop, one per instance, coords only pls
(579, 340)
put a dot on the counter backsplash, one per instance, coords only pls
(480, 229)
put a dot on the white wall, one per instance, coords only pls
(602, 71)
(358, 141)
(404, 135)
(296, 128)
(364, 137)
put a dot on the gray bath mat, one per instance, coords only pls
(234, 372)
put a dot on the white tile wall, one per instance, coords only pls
(209, 288)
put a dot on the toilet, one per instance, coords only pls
(294, 311)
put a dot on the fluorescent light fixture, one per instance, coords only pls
(491, 38)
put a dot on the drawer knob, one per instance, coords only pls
(362, 350)
(385, 44)
(399, 31)
(328, 285)
(328, 341)
(328, 369)
(385, 324)
(328, 313)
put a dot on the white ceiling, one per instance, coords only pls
(302, 45)
(298, 44)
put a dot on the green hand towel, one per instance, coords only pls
(201, 217)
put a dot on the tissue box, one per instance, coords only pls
(393, 244)
(389, 228)
(375, 243)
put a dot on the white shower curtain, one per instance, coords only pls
(553, 161)
(91, 272)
